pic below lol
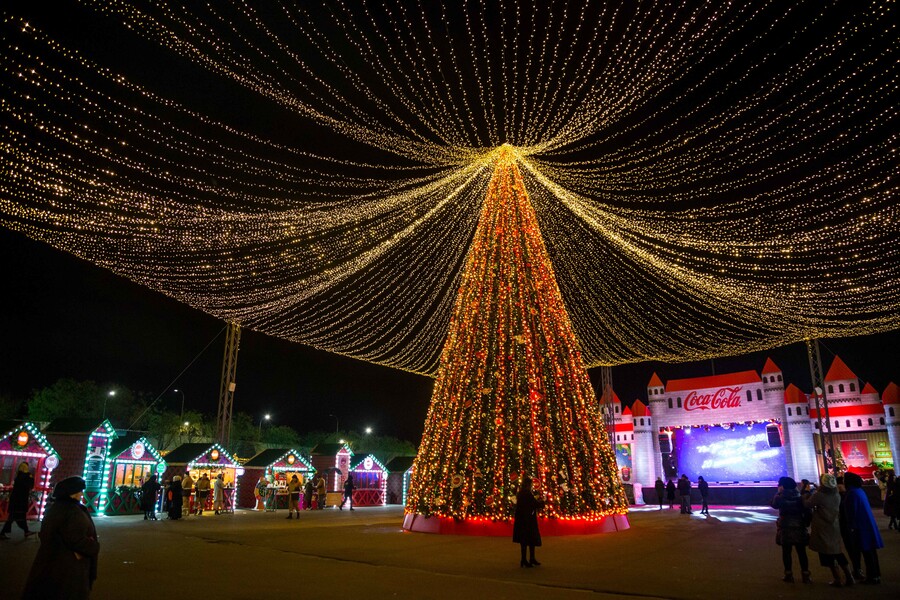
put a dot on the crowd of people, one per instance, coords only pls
(824, 518)
(683, 487)
(183, 496)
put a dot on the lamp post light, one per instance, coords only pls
(368, 431)
(182, 401)
(266, 417)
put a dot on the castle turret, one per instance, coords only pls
(644, 456)
(656, 395)
(891, 402)
(841, 384)
(798, 435)
(773, 382)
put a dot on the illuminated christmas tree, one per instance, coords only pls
(512, 396)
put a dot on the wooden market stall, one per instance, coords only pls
(399, 473)
(23, 442)
(278, 465)
(84, 449)
(134, 460)
(200, 458)
(334, 461)
(370, 479)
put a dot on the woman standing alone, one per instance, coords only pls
(525, 525)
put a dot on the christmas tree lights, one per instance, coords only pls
(512, 396)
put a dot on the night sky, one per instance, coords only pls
(67, 318)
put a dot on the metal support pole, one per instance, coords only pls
(227, 386)
(826, 437)
(606, 404)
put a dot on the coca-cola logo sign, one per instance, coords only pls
(726, 397)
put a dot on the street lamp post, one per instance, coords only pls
(336, 423)
(266, 417)
(182, 401)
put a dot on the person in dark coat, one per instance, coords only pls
(892, 501)
(18, 501)
(670, 493)
(149, 492)
(684, 491)
(853, 552)
(525, 524)
(308, 493)
(176, 498)
(66, 563)
(660, 491)
(793, 532)
(863, 528)
(704, 494)
(348, 492)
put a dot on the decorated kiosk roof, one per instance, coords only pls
(330, 449)
(400, 464)
(376, 461)
(130, 441)
(77, 425)
(272, 456)
(191, 453)
(11, 440)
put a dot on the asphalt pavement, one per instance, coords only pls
(364, 554)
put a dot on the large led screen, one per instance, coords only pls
(718, 454)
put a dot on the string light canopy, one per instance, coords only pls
(709, 178)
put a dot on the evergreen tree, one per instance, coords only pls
(512, 396)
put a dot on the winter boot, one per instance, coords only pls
(807, 578)
(848, 576)
(836, 573)
(788, 577)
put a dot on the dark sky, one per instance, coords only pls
(64, 317)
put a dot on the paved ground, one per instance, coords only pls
(364, 554)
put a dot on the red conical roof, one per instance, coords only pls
(770, 367)
(794, 395)
(839, 371)
(869, 389)
(655, 381)
(639, 409)
(891, 394)
(626, 411)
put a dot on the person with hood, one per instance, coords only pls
(660, 491)
(293, 489)
(825, 537)
(525, 524)
(149, 492)
(892, 501)
(17, 508)
(863, 529)
(176, 498)
(66, 563)
(791, 525)
(203, 486)
(670, 493)
(704, 494)
(219, 493)
(187, 492)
